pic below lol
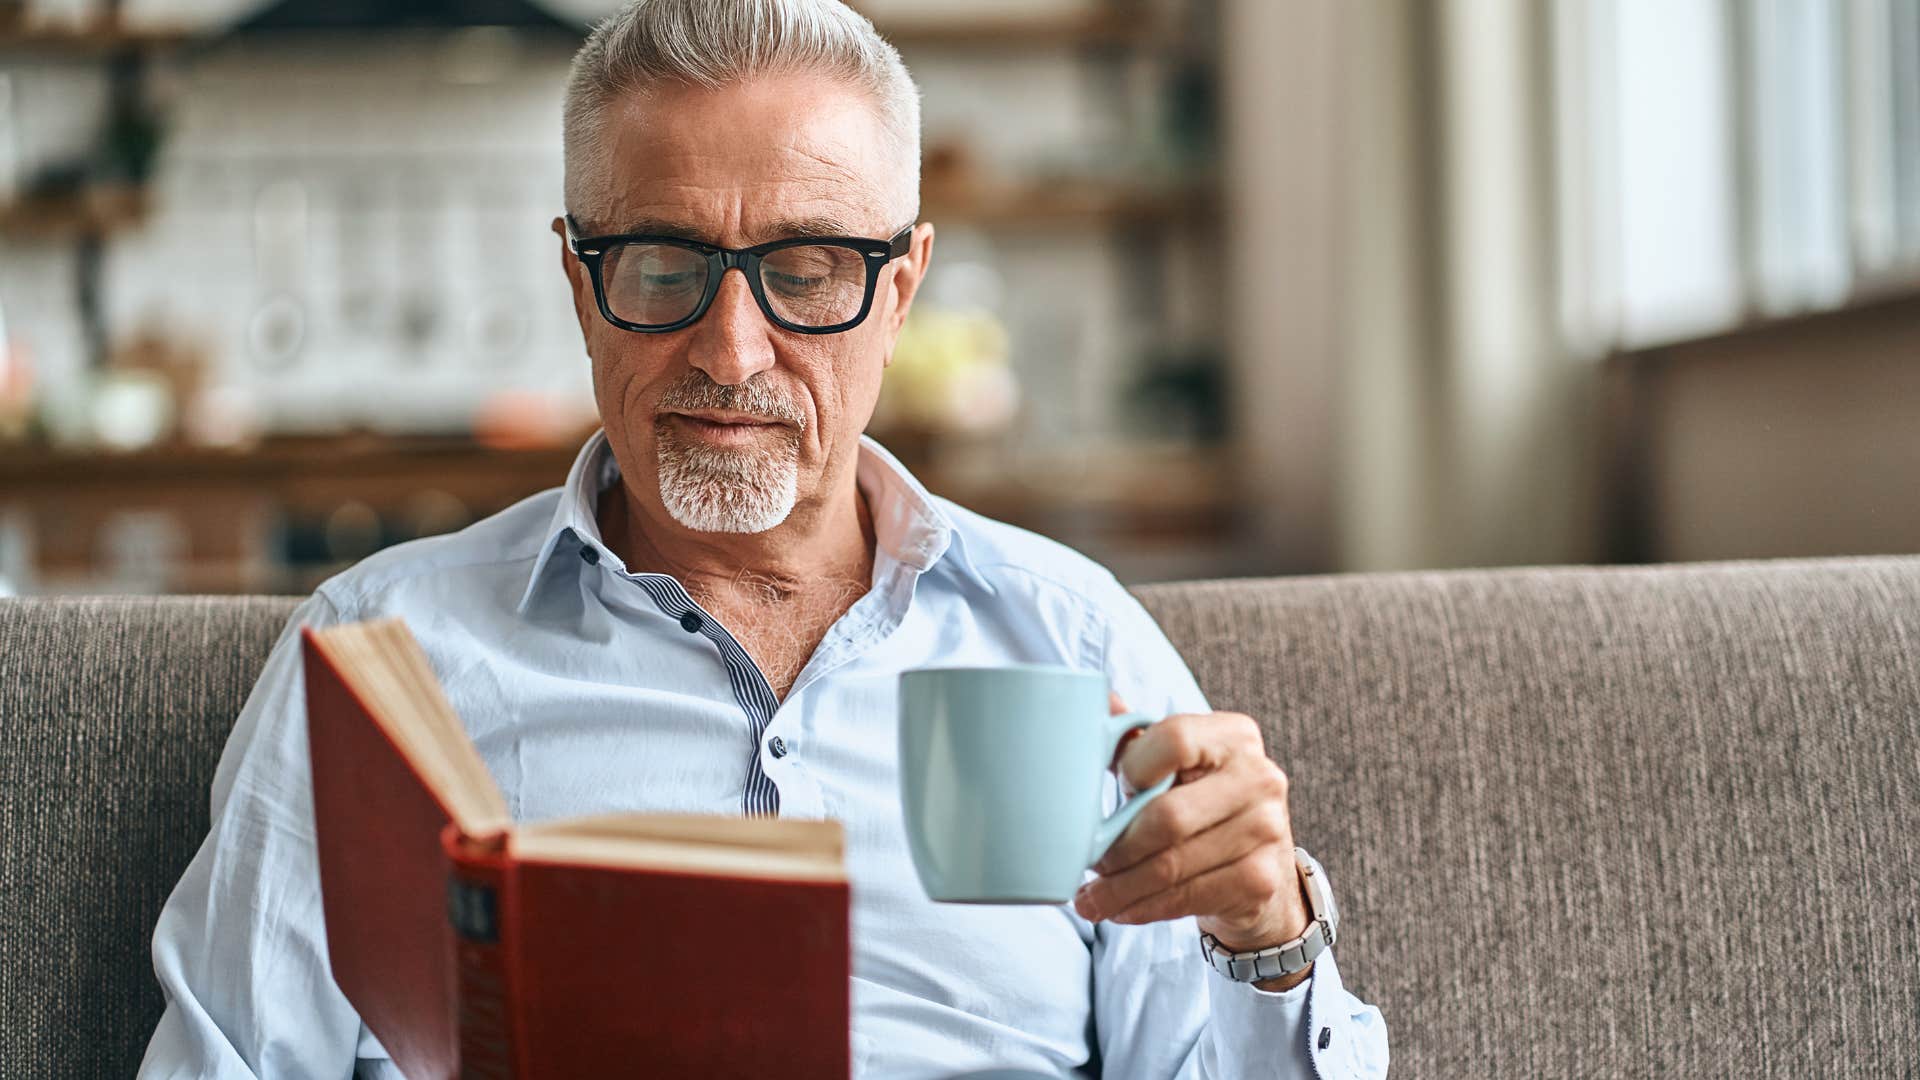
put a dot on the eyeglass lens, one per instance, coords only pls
(660, 284)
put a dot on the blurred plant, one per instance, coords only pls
(1190, 107)
(949, 376)
(1181, 393)
(130, 145)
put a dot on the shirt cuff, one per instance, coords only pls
(1262, 1032)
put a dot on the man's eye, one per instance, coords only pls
(795, 282)
(667, 281)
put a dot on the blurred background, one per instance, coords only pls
(1222, 287)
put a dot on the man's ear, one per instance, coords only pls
(908, 273)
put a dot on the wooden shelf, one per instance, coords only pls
(281, 458)
(89, 213)
(107, 210)
(92, 38)
(230, 503)
(1098, 27)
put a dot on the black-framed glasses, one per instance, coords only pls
(810, 284)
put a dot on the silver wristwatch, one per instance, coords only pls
(1287, 957)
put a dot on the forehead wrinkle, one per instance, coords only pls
(660, 226)
(837, 169)
(808, 192)
(765, 212)
(784, 146)
(785, 190)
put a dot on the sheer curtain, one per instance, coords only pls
(1404, 397)
(1728, 162)
(1453, 207)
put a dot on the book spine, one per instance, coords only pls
(479, 900)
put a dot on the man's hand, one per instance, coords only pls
(1218, 845)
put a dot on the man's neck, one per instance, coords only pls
(825, 544)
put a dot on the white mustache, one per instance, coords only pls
(754, 397)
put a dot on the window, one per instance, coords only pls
(1722, 161)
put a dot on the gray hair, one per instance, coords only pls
(715, 43)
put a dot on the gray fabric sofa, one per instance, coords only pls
(1583, 822)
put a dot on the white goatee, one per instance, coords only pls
(723, 490)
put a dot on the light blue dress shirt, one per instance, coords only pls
(589, 689)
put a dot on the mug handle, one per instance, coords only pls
(1109, 830)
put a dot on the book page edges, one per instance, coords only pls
(386, 671)
(775, 834)
(560, 847)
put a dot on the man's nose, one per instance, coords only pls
(732, 341)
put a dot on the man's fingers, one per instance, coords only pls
(1161, 877)
(1186, 744)
(1182, 813)
(1114, 708)
(1222, 892)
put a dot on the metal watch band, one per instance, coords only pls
(1287, 957)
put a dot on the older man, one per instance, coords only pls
(711, 616)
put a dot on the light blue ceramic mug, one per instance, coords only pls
(1000, 780)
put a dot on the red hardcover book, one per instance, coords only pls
(623, 945)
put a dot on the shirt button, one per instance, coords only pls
(589, 556)
(690, 622)
(778, 747)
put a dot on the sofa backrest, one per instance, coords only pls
(1621, 822)
(1598, 823)
(113, 712)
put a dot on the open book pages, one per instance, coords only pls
(386, 669)
(384, 666)
(739, 847)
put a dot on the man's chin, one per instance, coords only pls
(711, 512)
(742, 531)
(723, 490)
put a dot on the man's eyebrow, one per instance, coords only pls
(816, 226)
(824, 225)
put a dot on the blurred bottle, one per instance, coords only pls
(9, 131)
(16, 386)
(16, 552)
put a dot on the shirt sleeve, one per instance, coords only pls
(240, 947)
(1160, 1010)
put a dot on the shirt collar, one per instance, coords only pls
(908, 524)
